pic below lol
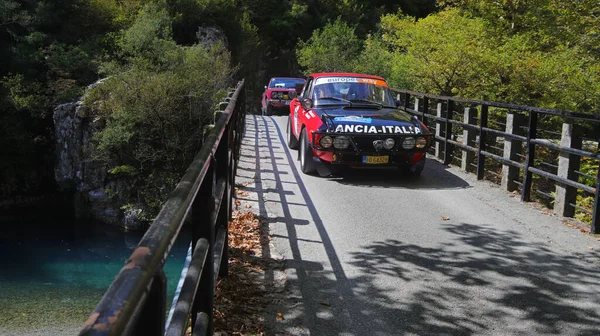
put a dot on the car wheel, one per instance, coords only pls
(307, 165)
(415, 169)
(292, 141)
(269, 110)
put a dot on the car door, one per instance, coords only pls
(297, 113)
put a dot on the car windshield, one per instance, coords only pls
(285, 83)
(352, 91)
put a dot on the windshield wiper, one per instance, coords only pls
(380, 105)
(337, 98)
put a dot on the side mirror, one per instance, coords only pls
(299, 87)
(398, 103)
(307, 103)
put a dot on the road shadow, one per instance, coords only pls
(434, 176)
(500, 276)
(487, 282)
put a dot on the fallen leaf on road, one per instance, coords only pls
(445, 218)
(279, 317)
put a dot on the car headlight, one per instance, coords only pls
(408, 143)
(275, 95)
(326, 141)
(389, 143)
(421, 142)
(341, 142)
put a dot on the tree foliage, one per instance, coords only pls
(459, 52)
(333, 48)
(154, 103)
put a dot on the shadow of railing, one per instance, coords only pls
(504, 282)
(491, 281)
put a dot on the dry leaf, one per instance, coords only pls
(445, 218)
(279, 316)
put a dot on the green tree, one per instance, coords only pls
(334, 48)
(439, 54)
(153, 105)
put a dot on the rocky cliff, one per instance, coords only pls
(98, 195)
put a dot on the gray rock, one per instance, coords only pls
(209, 36)
(77, 171)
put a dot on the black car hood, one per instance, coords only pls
(369, 121)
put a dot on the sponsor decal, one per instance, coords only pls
(354, 119)
(377, 129)
(324, 80)
(296, 125)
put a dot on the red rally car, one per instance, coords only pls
(353, 120)
(279, 93)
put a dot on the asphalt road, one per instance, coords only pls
(375, 253)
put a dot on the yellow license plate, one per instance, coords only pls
(376, 159)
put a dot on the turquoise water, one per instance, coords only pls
(53, 275)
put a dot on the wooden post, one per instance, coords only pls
(595, 229)
(468, 137)
(420, 117)
(567, 165)
(530, 160)
(483, 119)
(512, 149)
(439, 153)
(448, 148)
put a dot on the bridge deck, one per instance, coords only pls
(380, 254)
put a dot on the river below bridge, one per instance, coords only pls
(52, 275)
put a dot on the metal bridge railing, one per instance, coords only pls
(511, 135)
(135, 303)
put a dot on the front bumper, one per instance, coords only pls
(353, 159)
(358, 153)
(279, 102)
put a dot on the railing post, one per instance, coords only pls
(151, 320)
(483, 119)
(512, 149)
(595, 229)
(468, 137)
(567, 165)
(202, 217)
(406, 101)
(448, 132)
(528, 176)
(425, 110)
(416, 108)
(223, 172)
(438, 133)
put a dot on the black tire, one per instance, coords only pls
(307, 165)
(292, 142)
(415, 169)
(269, 110)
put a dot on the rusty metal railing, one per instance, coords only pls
(522, 137)
(135, 303)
